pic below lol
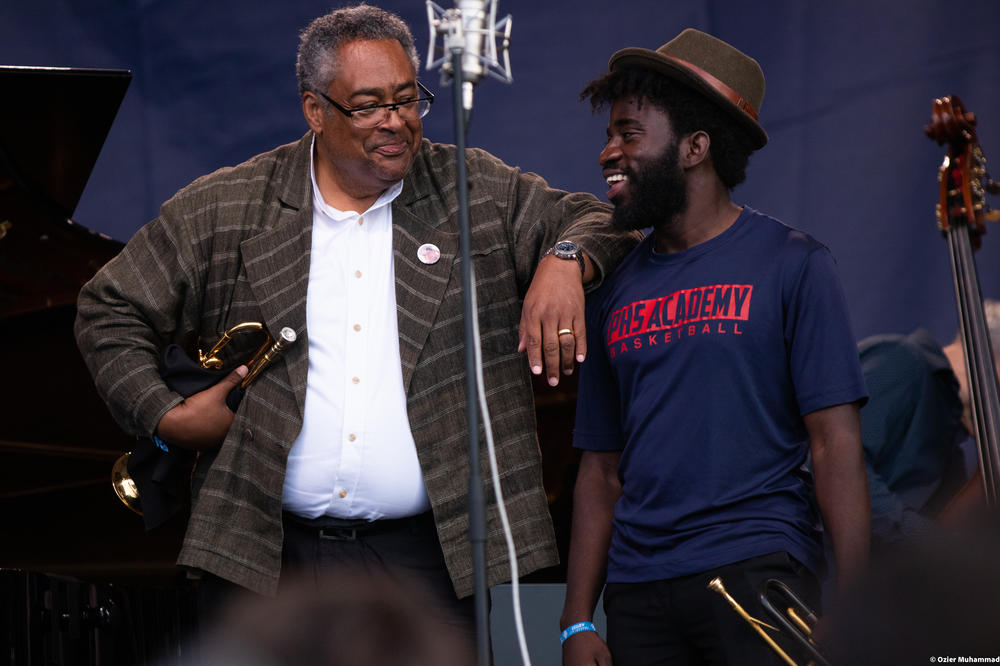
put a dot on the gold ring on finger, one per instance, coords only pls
(564, 331)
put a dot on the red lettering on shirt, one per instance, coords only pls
(728, 302)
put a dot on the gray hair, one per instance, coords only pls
(316, 65)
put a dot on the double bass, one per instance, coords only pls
(961, 215)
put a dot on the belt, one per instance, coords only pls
(351, 529)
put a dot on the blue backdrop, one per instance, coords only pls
(849, 89)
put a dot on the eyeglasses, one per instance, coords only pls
(373, 115)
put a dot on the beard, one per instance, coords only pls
(658, 193)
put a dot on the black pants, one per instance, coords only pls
(681, 622)
(406, 550)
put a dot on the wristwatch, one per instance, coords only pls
(566, 249)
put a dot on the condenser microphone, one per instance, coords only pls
(470, 28)
(473, 16)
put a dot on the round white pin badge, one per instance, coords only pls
(428, 253)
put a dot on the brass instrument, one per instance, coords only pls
(261, 360)
(211, 360)
(797, 619)
(124, 485)
(121, 481)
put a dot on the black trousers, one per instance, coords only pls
(680, 622)
(405, 550)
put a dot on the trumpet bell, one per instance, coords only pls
(124, 485)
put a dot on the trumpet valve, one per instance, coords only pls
(209, 362)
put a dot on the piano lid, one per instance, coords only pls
(53, 123)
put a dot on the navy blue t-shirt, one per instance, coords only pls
(701, 366)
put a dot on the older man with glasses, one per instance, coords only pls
(350, 449)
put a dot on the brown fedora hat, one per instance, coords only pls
(724, 74)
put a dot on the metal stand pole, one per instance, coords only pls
(477, 505)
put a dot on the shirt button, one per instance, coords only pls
(356, 380)
(361, 220)
(357, 327)
(357, 274)
(342, 494)
(352, 437)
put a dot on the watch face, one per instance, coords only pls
(566, 248)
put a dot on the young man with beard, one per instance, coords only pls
(721, 358)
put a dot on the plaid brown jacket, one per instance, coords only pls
(235, 246)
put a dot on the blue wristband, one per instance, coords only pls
(575, 629)
(160, 444)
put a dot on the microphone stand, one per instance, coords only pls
(455, 32)
(477, 503)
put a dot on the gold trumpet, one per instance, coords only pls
(122, 482)
(797, 619)
(211, 360)
(267, 352)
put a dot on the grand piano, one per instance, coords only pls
(81, 581)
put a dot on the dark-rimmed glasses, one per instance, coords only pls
(373, 115)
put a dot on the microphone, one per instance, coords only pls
(471, 28)
(473, 17)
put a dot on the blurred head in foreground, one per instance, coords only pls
(934, 597)
(359, 618)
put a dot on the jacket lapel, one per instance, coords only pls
(277, 262)
(420, 288)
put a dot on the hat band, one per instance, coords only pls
(719, 86)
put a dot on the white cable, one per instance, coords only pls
(495, 475)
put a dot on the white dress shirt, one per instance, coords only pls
(355, 456)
